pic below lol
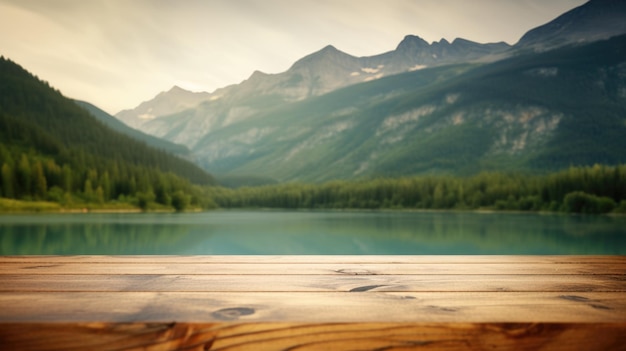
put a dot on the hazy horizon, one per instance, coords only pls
(116, 54)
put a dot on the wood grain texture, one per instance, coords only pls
(321, 268)
(319, 307)
(283, 259)
(312, 302)
(310, 337)
(312, 283)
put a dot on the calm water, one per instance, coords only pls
(300, 233)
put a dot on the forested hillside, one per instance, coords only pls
(592, 190)
(115, 124)
(52, 149)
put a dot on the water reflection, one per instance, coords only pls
(270, 232)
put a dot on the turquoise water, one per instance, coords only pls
(311, 233)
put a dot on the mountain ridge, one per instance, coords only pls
(316, 74)
(532, 112)
(167, 102)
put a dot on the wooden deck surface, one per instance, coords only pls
(313, 303)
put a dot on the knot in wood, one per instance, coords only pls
(231, 314)
(355, 271)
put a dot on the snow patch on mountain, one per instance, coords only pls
(378, 76)
(146, 116)
(417, 67)
(371, 70)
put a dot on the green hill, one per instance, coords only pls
(52, 149)
(115, 124)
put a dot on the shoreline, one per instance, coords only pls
(10, 206)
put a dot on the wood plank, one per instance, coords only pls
(318, 307)
(313, 283)
(302, 336)
(40, 268)
(297, 259)
(312, 302)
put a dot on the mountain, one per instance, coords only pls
(532, 112)
(53, 149)
(442, 107)
(150, 140)
(595, 20)
(314, 75)
(165, 103)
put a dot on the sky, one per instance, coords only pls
(118, 53)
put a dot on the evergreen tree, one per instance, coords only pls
(40, 186)
(8, 181)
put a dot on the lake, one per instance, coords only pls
(312, 233)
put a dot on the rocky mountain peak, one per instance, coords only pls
(412, 42)
(256, 75)
(176, 89)
(595, 20)
(165, 103)
(327, 54)
(329, 49)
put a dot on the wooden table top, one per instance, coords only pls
(312, 302)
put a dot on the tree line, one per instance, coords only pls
(31, 177)
(95, 182)
(596, 189)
